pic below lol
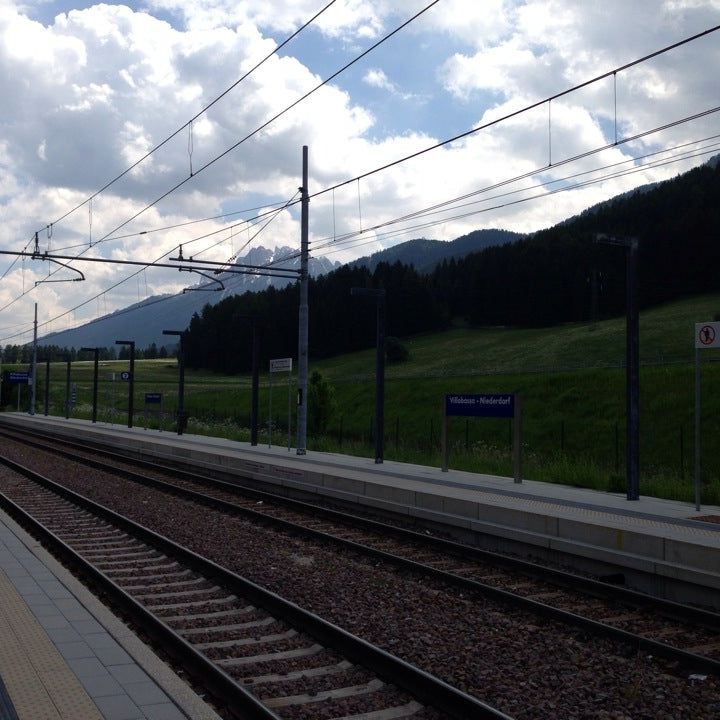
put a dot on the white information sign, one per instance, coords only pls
(281, 365)
(707, 335)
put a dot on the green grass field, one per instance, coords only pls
(571, 380)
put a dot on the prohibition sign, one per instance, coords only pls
(707, 335)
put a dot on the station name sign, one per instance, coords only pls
(19, 377)
(497, 406)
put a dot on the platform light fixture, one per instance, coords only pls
(181, 418)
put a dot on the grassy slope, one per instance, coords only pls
(570, 377)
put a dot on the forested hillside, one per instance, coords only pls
(554, 276)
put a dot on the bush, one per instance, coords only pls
(395, 351)
(321, 405)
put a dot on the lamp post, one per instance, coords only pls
(96, 354)
(180, 334)
(131, 344)
(379, 295)
(256, 334)
(632, 361)
(67, 389)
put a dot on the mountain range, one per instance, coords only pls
(482, 282)
(144, 321)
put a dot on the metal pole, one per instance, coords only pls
(697, 430)
(67, 391)
(380, 381)
(131, 383)
(34, 366)
(180, 334)
(47, 386)
(131, 389)
(633, 375)
(95, 384)
(289, 383)
(255, 385)
(445, 446)
(181, 386)
(270, 413)
(303, 312)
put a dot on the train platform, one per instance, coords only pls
(659, 546)
(65, 656)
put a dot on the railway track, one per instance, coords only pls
(260, 655)
(685, 636)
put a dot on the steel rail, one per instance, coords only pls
(218, 683)
(598, 588)
(425, 687)
(633, 640)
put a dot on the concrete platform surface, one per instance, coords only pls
(65, 656)
(651, 537)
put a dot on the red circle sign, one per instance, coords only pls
(707, 335)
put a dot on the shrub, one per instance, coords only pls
(395, 351)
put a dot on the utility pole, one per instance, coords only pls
(303, 312)
(379, 296)
(180, 334)
(34, 366)
(632, 361)
(131, 378)
(255, 392)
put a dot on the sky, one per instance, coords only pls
(90, 89)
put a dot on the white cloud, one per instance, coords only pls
(377, 78)
(96, 89)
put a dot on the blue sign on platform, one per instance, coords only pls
(18, 377)
(153, 398)
(497, 406)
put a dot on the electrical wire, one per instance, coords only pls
(268, 207)
(277, 116)
(635, 62)
(657, 163)
(108, 289)
(447, 207)
(515, 113)
(465, 215)
(508, 116)
(197, 115)
(109, 236)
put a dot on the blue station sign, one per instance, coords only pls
(153, 398)
(19, 377)
(497, 406)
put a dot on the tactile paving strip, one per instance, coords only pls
(38, 680)
(7, 711)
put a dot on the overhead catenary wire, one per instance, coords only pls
(336, 239)
(112, 287)
(232, 281)
(197, 115)
(277, 116)
(352, 243)
(109, 235)
(526, 108)
(656, 53)
(496, 185)
(452, 205)
(515, 113)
